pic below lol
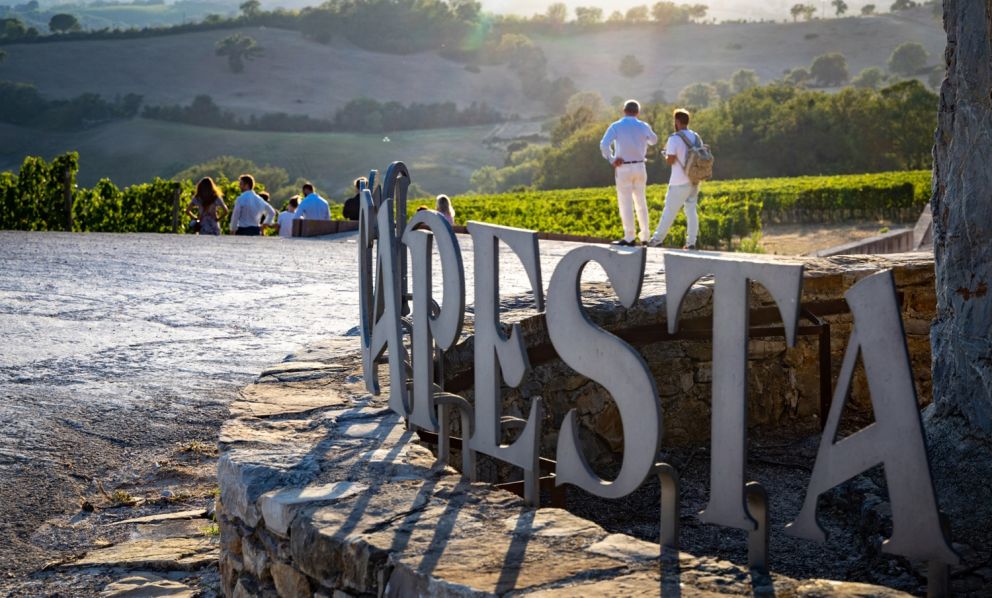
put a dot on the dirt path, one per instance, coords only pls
(802, 239)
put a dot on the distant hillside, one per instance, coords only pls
(689, 54)
(299, 76)
(295, 75)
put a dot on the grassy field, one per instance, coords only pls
(135, 151)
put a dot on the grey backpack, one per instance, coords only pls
(699, 160)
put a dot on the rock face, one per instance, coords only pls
(962, 219)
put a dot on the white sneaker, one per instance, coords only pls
(654, 242)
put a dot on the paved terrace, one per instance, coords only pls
(117, 350)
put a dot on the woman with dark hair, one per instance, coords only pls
(208, 200)
(352, 206)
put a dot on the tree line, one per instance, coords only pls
(360, 115)
(22, 104)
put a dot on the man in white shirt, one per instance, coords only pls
(630, 138)
(286, 217)
(313, 206)
(681, 191)
(250, 210)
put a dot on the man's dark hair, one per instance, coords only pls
(294, 202)
(308, 188)
(682, 116)
(632, 107)
(264, 195)
(248, 180)
(359, 181)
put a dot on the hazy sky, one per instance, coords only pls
(720, 9)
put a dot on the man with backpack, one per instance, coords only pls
(691, 163)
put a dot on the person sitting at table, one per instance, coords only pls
(313, 206)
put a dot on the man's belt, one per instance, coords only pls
(634, 162)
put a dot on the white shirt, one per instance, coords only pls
(286, 223)
(313, 207)
(249, 209)
(676, 147)
(631, 138)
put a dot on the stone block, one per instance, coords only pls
(289, 582)
(279, 506)
(256, 560)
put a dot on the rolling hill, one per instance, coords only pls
(299, 76)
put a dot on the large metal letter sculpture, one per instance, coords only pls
(896, 438)
(495, 352)
(445, 327)
(593, 352)
(395, 185)
(379, 307)
(731, 291)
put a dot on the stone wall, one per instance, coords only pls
(784, 383)
(325, 493)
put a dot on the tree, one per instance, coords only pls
(962, 224)
(903, 5)
(238, 48)
(797, 77)
(805, 11)
(666, 13)
(630, 66)
(839, 6)
(743, 80)
(615, 17)
(869, 78)
(722, 89)
(637, 14)
(590, 100)
(11, 28)
(908, 59)
(697, 12)
(697, 95)
(867, 10)
(830, 69)
(588, 15)
(935, 77)
(250, 8)
(62, 23)
(556, 14)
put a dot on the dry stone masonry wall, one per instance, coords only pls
(324, 491)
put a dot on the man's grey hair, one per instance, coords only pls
(632, 106)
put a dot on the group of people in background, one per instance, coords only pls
(252, 213)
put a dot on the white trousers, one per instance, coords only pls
(678, 196)
(631, 180)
